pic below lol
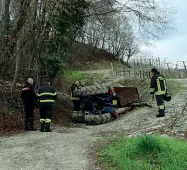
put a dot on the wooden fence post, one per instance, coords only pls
(112, 69)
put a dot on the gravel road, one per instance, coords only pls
(69, 148)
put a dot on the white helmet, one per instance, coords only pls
(30, 81)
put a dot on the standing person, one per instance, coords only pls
(158, 88)
(29, 97)
(82, 84)
(75, 99)
(47, 96)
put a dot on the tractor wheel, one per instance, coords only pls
(78, 117)
(94, 89)
(97, 119)
(90, 90)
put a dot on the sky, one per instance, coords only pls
(174, 46)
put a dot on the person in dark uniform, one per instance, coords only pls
(75, 99)
(158, 88)
(29, 99)
(47, 96)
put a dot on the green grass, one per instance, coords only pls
(72, 76)
(142, 153)
(101, 65)
(174, 87)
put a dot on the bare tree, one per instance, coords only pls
(28, 27)
(120, 26)
(149, 18)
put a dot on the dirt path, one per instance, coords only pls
(49, 151)
(69, 148)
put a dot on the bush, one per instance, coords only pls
(148, 144)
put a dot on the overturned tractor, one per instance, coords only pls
(101, 104)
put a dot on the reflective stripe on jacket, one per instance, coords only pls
(46, 94)
(158, 85)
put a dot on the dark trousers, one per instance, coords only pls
(160, 103)
(46, 110)
(77, 105)
(28, 116)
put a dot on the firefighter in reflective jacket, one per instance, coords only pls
(76, 100)
(47, 96)
(29, 98)
(158, 88)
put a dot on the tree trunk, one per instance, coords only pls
(18, 61)
(33, 26)
(185, 69)
(1, 14)
(5, 24)
(6, 17)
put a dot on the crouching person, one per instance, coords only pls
(47, 96)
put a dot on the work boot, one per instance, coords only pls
(160, 115)
(47, 128)
(42, 129)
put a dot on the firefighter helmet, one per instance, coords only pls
(167, 96)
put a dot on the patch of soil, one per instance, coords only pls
(11, 123)
(62, 116)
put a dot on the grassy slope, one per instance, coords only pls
(103, 62)
(143, 153)
(74, 74)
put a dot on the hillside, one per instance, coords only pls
(86, 57)
(89, 64)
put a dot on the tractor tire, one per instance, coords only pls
(90, 90)
(97, 119)
(123, 110)
(78, 117)
(94, 89)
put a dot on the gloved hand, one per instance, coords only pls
(152, 97)
(114, 94)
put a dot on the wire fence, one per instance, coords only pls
(141, 67)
